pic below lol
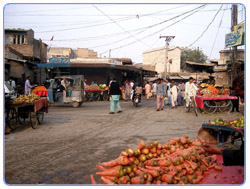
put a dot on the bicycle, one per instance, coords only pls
(192, 104)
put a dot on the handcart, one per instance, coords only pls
(222, 130)
(96, 94)
(33, 112)
(213, 104)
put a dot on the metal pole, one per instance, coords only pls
(167, 40)
(234, 52)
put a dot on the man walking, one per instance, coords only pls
(168, 92)
(174, 90)
(114, 93)
(161, 93)
(27, 86)
(127, 90)
(154, 89)
(190, 91)
(147, 90)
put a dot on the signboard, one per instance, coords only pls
(59, 60)
(236, 37)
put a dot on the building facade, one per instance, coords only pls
(223, 68)
(157, 58)
(71, 53)
(32, 51)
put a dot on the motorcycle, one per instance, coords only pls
(137, 100)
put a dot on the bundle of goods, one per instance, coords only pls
(212, 89)
(240, 123)
(180, 161)
(39, 88)
(94, 87)
(26, 99)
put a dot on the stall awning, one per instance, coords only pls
(200, 64)
(53, 65)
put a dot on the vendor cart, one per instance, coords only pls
(33, 112)
(213, 104)
(222, 130)
(96, 94)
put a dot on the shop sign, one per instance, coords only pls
(59, 60)
(236, 37)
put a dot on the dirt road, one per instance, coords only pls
(71, 141)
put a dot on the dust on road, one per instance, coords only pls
(71, 141)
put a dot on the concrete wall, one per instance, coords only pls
(60, 51)
(44, 53)
(157, 58)
(221, 78)
(85, 53)
(26, 50)
(227, 54)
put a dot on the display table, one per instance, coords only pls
(211, 104)
(228, 175)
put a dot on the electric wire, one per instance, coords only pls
(138, 29)
(206, 27)
(193, 12)
(120, 26)
(216, 35)
(148, 27)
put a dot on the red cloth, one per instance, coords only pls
(200, 104)
(40, 93)
(228, 175)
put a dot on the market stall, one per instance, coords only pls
(96, 93)
(179, 161)
(234, 128)
(211, 104)
(31, 108)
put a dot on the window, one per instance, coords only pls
(18, 39)
(14, 39)
(22, 39)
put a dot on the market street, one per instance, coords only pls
(69, 144)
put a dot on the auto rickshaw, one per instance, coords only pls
(73, 93)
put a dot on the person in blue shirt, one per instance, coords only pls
(161, 93)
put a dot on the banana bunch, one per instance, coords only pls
(26, 99)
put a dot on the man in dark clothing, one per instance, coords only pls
(114, 93)
(235, 101)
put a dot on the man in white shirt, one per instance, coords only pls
(190, 90)
(27, 86)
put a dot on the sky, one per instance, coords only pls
(126, 30)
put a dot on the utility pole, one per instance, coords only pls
(234, 21)
(109, 53)
(167, 40)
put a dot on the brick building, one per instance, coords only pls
(22, 43)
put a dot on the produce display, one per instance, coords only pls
(180, 161)
(26, 99)
(40, 88)
(209, 91)
(102, 86)
(233, 123)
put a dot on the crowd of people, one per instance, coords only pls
(165, 92)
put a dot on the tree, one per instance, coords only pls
(194, 55)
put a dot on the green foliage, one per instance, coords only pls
(194, 55)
